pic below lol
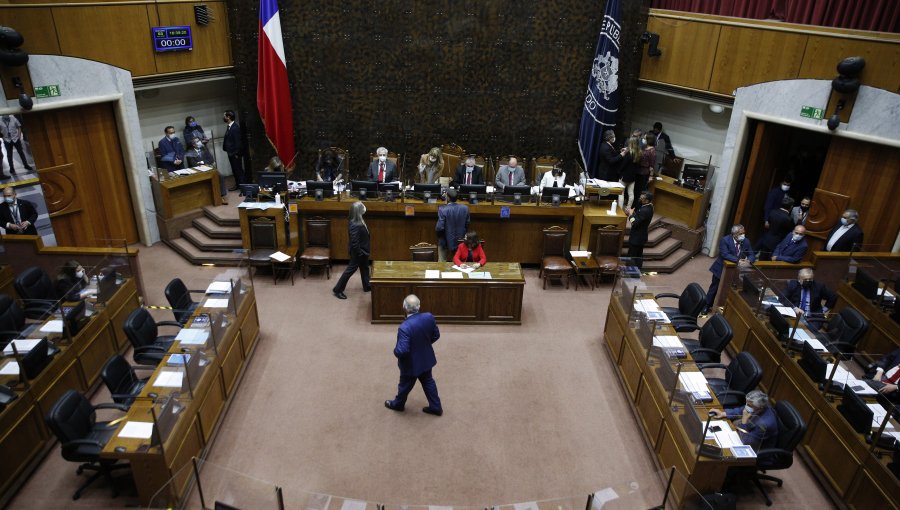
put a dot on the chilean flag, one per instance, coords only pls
(273, 97)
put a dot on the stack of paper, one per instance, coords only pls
(580, 253)
(463, 269)
(848, 379)
(432, 274)
(786, 311)
(216, 303)
(54, 326)
(192, 336)
(668, 341)
(23, 346)
(802, 334)
(451, 275)
(695, 383)
(10, 368)
(219, 288)
(280, 257)
(480, 275)
(878, 414)
(169, 379)
(137, 430)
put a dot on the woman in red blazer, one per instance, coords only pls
(470, 252)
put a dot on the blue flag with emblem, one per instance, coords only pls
(601, 103)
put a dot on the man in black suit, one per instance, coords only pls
(846, 235)
(640, 219)
(780, 224)
(233, 144)
(382, 169)
(469, 173)
(17, 216)
(806, 296)
(663, 145)
(452, 225)
(415, 357)
(610, 158)
(171, 151)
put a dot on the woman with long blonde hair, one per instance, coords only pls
(431, 166)
(630, 165)
(359, 248)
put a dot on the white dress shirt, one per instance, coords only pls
(837, 235)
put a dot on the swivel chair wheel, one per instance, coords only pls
(79, 470)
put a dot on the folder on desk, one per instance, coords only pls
(192, 336)
(219, 288)
(10, 368)
(137, 430)
(169, 379)
(54, 326)
(23, 345)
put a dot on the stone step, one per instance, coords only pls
(205, 243)
(225, 215)
(215, 230)
(196, 256)
(669, 264)
(654, 236)
(660, 251)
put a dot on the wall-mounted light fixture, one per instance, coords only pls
(653, 40)
(844, 88)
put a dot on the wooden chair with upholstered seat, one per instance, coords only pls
(541, 165)
(317, 252)
(555, 259)
(607, 248)
(453, 156)
(263, 242)
(343, 154)
(424, 252)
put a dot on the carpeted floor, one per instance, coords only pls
(532, 412)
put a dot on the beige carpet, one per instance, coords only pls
(532, 412)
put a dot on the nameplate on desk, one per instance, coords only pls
(409, 210)
(504, 211)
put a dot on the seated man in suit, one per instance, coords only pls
(756, 422)
(793, 247)
(171, 151)
(17, 216)
(884, 376)
(469, 173)
(846, 235)
(734, 248)
(806, 296)
(382, 169)
(510, 174)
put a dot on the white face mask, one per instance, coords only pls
(470, 166)
(845, 221)
(785, 187)
(170, 136)
(740, 237)
(79, 274)
(9, 200)
(748, 409)
(432, 159)
(382, 158)
(797, 237)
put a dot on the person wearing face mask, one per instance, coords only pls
(17, 216)
(793, 247)
(883, 376)
(846, 235)
(469, 173)
(70, 281)
(780, 225)
(610, 158)
(11, 131)
(382, 169)
(756, 422)
(329, 167)
(809, 297)
(554, 178)
(199, 155)
(431, 167)
(734, 248)
(646, 164)
(193, 130)
(800, 213)
(171, 152)
(775, 197)
(359, 248)
(510, 174)
(233, 145)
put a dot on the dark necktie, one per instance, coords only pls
(510, 177)
(381, 172)
(468, 177)
(804, 301)
(15, 209)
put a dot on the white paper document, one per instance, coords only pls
(219, 288)
(848, 379)
(802, 334)
(169, 379)
(580, 253)
(695, 383)
(54, 326)
(646, 305)
(480, 275)
(603, 497)
(216, 303)
(722, 432)
(137, 429)
(22, 345)
(10, 368)
(878, 414)
(192, 336)
(786, 311)
(203, 168)
(432, 274)
(668, 341)
(451, 275)
(464, 269)
(353, 504)
(280, 257)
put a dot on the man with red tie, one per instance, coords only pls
(469, 173)
(510, 174)
(382, 169)
(886, 376)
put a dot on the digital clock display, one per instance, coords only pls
(172, 38)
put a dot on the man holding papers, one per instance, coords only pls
(806, 296)
(756, 422)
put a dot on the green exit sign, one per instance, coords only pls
(811, 112)
(46, 91)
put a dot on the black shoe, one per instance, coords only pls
(369, 289)
(429, 410)
(339, 295)
(705, 311)
(4, 176)
(392, 407)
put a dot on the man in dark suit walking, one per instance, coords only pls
(469, 173)
(382, 169)
(846, 235)
(415, 357)
(17, 216)
(806, 296)
(640, 219)
(734, 248)
(452, 225)
(233, 145)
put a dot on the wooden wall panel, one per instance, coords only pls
(130, 49)
(81, 146)
(36, 25)
(212, 48)
(745, 56)
(882, 60)
(870, 175)
(689, 49)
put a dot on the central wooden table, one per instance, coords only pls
(462, 301)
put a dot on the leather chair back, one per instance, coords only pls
(716, 333)
(541, 165)
(791, 429)
(35, 283)
(12, 319)
(179, 299)
(140, 328)
(119, 377)
(423, 252)
(743, 373)
(72, 417)
(555, 242)
(318, 232)
(847, 327)
(453, 157)
(692, 300)
(608, 241)
(344, 156)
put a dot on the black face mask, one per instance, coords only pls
(806, 284)
(804, 207)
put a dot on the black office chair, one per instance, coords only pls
(12, 320)
(180, 300)
(122, 381)
(37, 291)
(791, 429)
(143, 333)
(691, 302)
(714, 336)
(73, 421)
(742, 375)
(844, 331)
